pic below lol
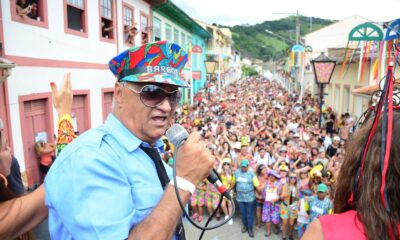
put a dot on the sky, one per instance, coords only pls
(238, 12)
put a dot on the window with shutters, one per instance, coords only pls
(168, 32)
(107, 27)
(128, 20)
(157, 29)
(76, 17)
(33, 12)
(144, 27)
(176, 36)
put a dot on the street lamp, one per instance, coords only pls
(323, 69)
(211, 64)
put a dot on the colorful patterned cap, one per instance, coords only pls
(158, 62)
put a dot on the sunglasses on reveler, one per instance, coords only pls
(153, 95)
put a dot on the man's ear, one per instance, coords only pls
(118, 93)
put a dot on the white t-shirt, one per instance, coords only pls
(303, 217)
(266, 160)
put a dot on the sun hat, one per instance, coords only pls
(283, 168)
(317, 174)
(322, 188)
(244, 163)
(227, 160)
(157, 62)
(274, 173)
(336, 138)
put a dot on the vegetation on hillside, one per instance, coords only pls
(254, 42)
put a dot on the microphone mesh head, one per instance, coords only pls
(176, 134)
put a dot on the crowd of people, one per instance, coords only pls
(269, 152)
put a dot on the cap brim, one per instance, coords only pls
(163, 78)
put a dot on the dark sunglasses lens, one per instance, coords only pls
(152, 95)
(175, 97)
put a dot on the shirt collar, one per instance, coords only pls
(125, 137)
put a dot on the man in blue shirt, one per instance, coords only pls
(104, 185)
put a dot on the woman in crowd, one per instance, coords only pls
(262, 177)
(45, 152)
(270, 211)
(228, 180)
(289, 205)
(197, 201)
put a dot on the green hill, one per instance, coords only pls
(254, 42)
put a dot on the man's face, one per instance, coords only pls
(147, 123)
(321, 195)
(262, 152)
(243, 150)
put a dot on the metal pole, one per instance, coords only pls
(320, 104)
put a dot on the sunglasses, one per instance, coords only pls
(293, 177)
(153, 95)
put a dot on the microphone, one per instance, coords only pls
(177, 135)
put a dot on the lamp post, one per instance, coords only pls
(323, 69)
(210, 66)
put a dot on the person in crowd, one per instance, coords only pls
(197, 200)
(246, 182)
(20, 213)
(129, 34)
(333, 148)
(119, 163)
(270, 211)
(263, 157)
(283, 172)
(320, 204)
(362, 209)
(45, 151)
(262, 177)
(303, 217)
(244, 154)
(228, 180)
(212, 196)
(289, 205)
(14, 180)
(27, 8)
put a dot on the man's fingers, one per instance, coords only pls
(195, 137)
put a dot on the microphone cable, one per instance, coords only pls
(205, 228)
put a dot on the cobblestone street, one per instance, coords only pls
(226, 232)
